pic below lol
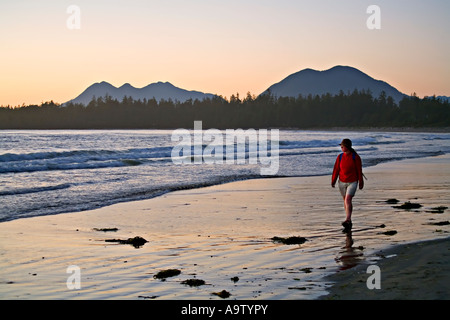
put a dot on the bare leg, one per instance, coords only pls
(348, 207)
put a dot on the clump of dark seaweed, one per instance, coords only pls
(408, 206)
(193, 282)
(439, 209)
(167, 273)
(148, 297)
(440, 223)
(223, 294)
(389, 233)
(106, 229)
(289, 240)
(392, 201)
(136, 242)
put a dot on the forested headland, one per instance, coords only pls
(357, 109)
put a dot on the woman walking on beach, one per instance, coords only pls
(348, 167)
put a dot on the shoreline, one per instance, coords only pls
(207, 185)
(224, 232)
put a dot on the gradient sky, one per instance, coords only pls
(213, 46)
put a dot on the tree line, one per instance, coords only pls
(356, 109)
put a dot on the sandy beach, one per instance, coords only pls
(223, 236)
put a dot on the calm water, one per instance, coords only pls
(50, 172)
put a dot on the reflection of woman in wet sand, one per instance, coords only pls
(348, 167)
(350, 256)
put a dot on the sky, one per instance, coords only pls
(48, 51)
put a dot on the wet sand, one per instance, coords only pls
(416, 271)
(223, 236)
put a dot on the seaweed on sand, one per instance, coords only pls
(193, 282)
(408, 206)
(223, 294)
(167, 273)
(439, 209)
(289, 240)
(389, 233)
(440, 223)
(136, 242)
(106, 229)
(392, 201)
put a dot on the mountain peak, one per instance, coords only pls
(341, 67)
(333, 80)
(159, 90)
(103, 83)
(162, 84)
(126, 86)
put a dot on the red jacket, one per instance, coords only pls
(348, 169)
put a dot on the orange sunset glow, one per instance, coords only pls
(219, 47)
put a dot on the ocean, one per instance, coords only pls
(45, 172)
